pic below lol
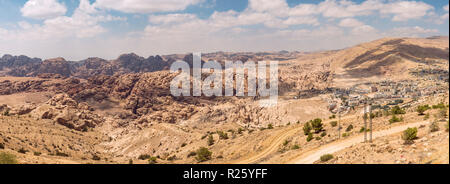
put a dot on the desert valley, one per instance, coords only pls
(121, 111)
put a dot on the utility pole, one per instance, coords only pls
(370, 121)
(339, 122)
(365, 121)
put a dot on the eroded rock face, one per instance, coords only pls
(67, 112)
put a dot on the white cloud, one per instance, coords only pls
(445, 16)
(406, 10)
(145, 6)
(43, 9)
(415, 31)
(84, 23)
(363, 29)
(350, 22)
(171, 18)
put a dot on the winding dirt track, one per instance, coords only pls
(314, 155)
(274, 142)
(311, 156)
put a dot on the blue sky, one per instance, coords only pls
(77, 29)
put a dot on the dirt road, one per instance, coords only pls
(274, 142)
(314, 155)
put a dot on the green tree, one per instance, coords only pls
(421, 110)
(409, 135)
(307, 128)
(317, 125)
(203, 154)
(397, 110)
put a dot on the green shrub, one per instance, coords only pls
(36, 153)
(409, 135)
(240, 130)
(294, 147)
(421, 109)
(362, 130)
(191, 154)
(395, 119)
(307, 128)
(317, 125)
(318, 138)
(434, 127)
(345, 134)
(61, 154)
(334, 123)
(332, 116)
(222, 135)
(397, 110)
(210, 140)
(323, 134)
(270, 126)
(349, 128)
(286, 142)
(2, 146)
(439, 106)
(144, 157)
(310, 137)
(203, 154)
(22, 150)
(326, 157)
(96, 157)
(6, 158)
(152, 160)
(6, 113)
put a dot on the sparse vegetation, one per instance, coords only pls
(395, 119)
(310, 137)
(409, 135)
(317, 125)
(222, 135)
(332, 116)
(152, 160)
(397, 110)
(270, 126)
(210, 140)
(349, 128)
(2, 146)
(36, 153)
(345, 134)
(307, 128)
(326, 157)
(286, 142)
(443, 113)
(191, 154)
(95, 157)
(144, 157)
(434, 127)
(203, 154)
(323, 134)
(22, 150)
(6, 158)
(294, 147)
(61, 154)
(333, 123)
(421, 109)
(240, 130)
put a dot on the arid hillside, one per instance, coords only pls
(121, 111)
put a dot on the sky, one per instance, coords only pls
(78, 29)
